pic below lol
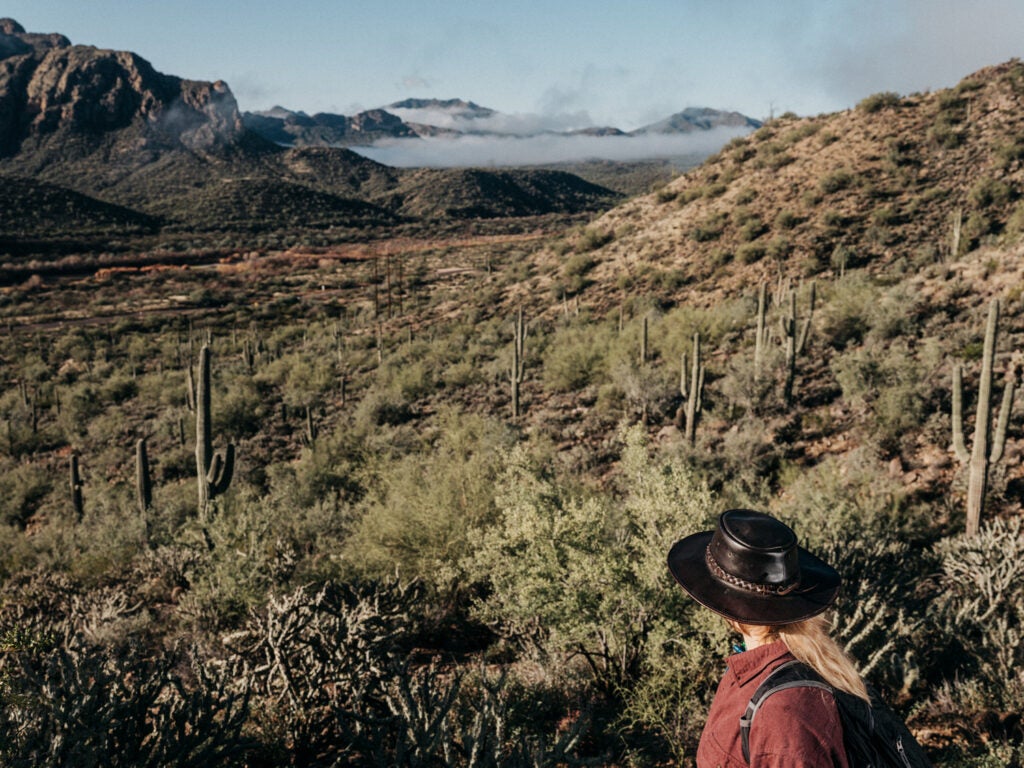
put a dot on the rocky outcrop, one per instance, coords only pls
(50, 87)
(324, 129)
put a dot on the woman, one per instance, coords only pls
(772, 592)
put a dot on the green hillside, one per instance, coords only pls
(431, 545)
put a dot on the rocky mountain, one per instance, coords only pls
(288, 128)
(51, 90)
(109, 130)
(699, 119)
(453, 118)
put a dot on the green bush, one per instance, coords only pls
(836, 181)
(22, 488)
(419, 508)
(574, 358)
(592, 239)
(748, 253)
(573, 573)
(879, 101)
(987, 193)
(710, 229)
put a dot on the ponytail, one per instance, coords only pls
(810, 642)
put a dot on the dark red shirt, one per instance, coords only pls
(795, 728)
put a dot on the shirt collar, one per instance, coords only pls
(747, 665)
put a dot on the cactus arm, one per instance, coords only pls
(222, 469)
(999, 440)
(959, 446)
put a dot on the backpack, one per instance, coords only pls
(874, 736)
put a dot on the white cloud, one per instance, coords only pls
(521, 124)
(486, 151)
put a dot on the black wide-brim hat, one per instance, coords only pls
(750, 569)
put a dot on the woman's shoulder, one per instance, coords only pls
(799, 721)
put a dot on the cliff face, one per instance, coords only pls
(49, 87)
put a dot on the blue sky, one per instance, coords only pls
(585, 63)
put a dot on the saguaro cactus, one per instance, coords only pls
(988, 448)
(76, 487)
(796, 340)
(643, 343)
(143, 483)
(692, 392)
(762, 330)
(518, 367)
(213, 470)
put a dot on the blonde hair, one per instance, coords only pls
(809, 641)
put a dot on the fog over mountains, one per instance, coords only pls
(453, 132)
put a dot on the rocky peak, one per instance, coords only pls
(48, 86)
(15, 41)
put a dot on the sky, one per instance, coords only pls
(564, 63)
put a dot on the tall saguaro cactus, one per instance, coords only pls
(143, 482)
(796, 335)
(518, 367)
(762, 331)
(988, 448)
(213, 470)
(76, 487)
(692, 392)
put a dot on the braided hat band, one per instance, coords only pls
(750, 586)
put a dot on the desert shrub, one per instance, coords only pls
(836, 181)
(879, 101)
(1010, 151)
(945, 136)
(666, 195)
(717, 189)
(574, 358)
(846, 316)
(647, 389)
(748, 253)
(975, 228)
(419, 508)
(710, 229)
(575, 270)
(1015, 223)
(779, 248)
(752, 229)
(841, 498)
(238, 412)
(22, 488)
(987, 193)
(786, 219)
(592, 239)
(381, 406)
(745, 196)
(893, 382)
(582, 573)
(79, 404)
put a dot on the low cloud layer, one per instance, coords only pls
(487, 151)
(466, 121)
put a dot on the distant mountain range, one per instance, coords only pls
(104, 136)
(453, 118)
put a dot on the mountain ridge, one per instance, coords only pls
(106, 125)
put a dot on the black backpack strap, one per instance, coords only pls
(792, 674)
